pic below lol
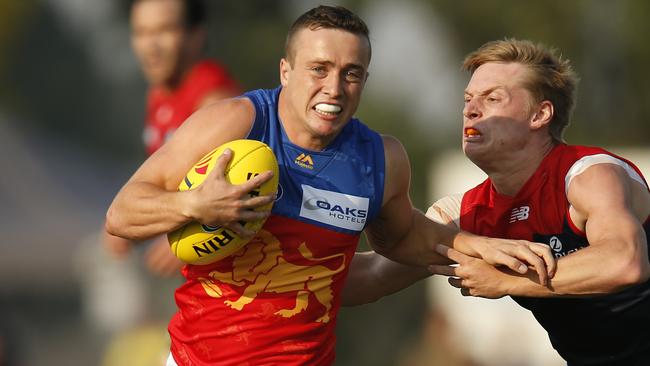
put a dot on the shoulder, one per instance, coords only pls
(600, 163)
(605, 182)
(394, 153)
(208, 66)
(398, 168)
(221, 121)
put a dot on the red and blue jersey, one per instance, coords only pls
(275, 302)
(603, 330)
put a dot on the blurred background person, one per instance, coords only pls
(168, 39)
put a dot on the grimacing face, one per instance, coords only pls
(322, 85)
(498, 111)
(158, 37)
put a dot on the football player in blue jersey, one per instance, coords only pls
(322, 76)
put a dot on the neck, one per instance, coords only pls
(177, 78)
(510, 173)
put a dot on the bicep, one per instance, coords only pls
(601, 200)
(395, 217)
(202, 132)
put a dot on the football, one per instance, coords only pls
(195, 243)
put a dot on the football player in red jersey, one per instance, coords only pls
(168, 38)
(591, 207)
(276, 301)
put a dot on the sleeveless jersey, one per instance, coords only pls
(275, 301)
(603, 330)
(166, 110)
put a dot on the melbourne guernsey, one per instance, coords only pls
(603, 330)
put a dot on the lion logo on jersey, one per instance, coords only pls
(262, 268)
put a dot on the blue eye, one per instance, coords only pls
(353, 76)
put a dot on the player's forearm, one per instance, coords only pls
(143, 210)
(590, 271)
(373, 276)
(416, 248)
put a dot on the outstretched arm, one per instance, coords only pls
(373, 276)
(402, 233)
(611, 208)
(149, 204)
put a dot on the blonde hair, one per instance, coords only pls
(551, 77)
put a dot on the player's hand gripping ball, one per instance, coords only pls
(195, 243)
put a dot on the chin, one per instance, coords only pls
(472, 152)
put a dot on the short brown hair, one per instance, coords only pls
(551, 77)
(334, 17)
(194, 12)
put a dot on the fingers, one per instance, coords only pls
(457, 283)
(256, 181)
(160, 260)
(513, 259)
(507, 257)
(451, 253)
(442, 270)
(219, 169)
(529, 256)
(544, 251)
(259, 201)
(118, 247)
(240, 230)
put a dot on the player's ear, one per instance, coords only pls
(285, 68)
(543, 115)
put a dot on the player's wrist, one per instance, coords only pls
(470, 244)
(188, 205)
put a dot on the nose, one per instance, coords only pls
(333, 85)
(471, 110)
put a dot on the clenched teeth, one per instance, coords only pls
(327, 108)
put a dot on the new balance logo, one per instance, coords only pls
(519, 214)
(304, 161)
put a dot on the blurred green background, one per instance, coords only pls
(72, 109)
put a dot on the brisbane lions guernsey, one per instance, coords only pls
(603, 330)
(167, 110)
(275, 301)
